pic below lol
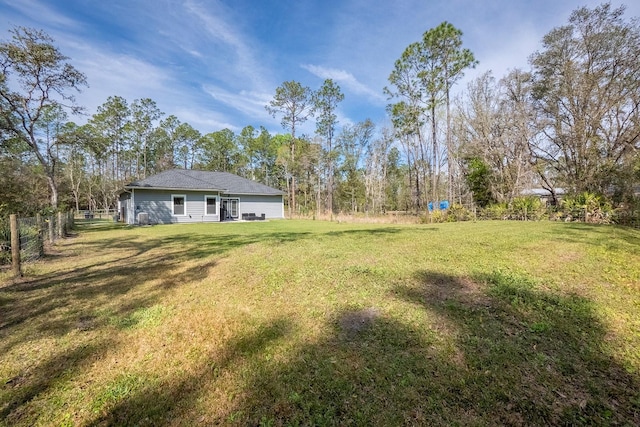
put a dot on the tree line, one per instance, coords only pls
(569, 124)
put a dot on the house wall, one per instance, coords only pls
(271, 206)
(158, 204)
(124, 207)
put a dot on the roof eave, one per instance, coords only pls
(235, 193)
(132, 187)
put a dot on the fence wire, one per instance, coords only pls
(34, 232)
(31, 239)
(5, 242)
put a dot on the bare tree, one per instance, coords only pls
(586, 85)
(35, 78)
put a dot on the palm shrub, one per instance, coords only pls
(588, 207)
(496, 211)
(527, 207)
(436, 216)
(458, 212)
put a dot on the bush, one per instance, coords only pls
(436, 216)
(458, 213)
(628, 213)
(588, 207)
(496, 211)
(527, 208)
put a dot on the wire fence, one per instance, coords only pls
(34, 233)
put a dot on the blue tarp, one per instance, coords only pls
(444, 204)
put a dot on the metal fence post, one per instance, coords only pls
(15, 246)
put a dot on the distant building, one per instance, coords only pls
(545, 195)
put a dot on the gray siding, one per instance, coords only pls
(159, 206)
(270, 206)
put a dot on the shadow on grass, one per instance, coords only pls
(491, 350)
(530, 356)
(502, 353)
(59, 366)
(72, 299)
(123, 274)
(154, 404)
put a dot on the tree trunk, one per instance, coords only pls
(449, 148)
(434, 170)
(53, 187)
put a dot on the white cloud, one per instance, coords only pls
(204, 120)
(251, 104)
(345, 78)
(236, 51)
(110, 74)
(41, 13)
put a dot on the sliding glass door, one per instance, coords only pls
(230, 208)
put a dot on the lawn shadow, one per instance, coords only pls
(495, 350)
(34, 297)
(531, 356)
(370, 371)
(164, 403)
(58, 367)
(84, 301)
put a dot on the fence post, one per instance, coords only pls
(61, 225)
(15, 246)
(52, 236)
(39, 226)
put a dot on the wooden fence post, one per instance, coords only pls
(39, 226)
(61, 225)
(15, 246)
(52, 236)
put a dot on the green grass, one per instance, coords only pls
(319, 323)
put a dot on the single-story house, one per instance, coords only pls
(180, 195)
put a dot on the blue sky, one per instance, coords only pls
(216, 64)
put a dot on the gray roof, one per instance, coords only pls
(543, 192)
(183, 179)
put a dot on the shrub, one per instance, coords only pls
(438, 216)
(588, 207)
(458, 213)
(496, 211)
(628, 213)
(527, 207)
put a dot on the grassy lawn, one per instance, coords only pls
(318, 323)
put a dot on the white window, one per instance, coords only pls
(179, 204)
(210, 205)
